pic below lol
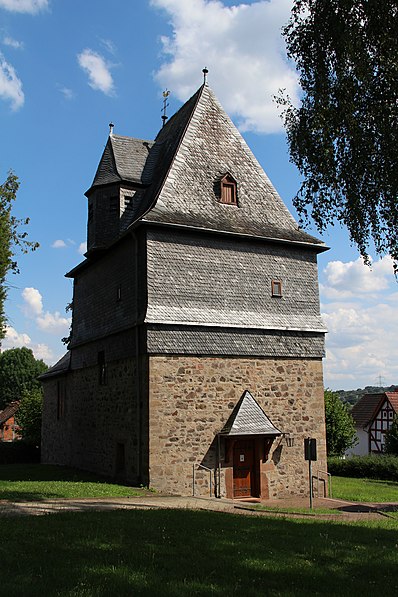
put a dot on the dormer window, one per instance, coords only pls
(228, 190)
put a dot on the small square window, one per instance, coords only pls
(276, 288)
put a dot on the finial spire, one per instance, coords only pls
(111, 125)
(166, 94)
(205, 73)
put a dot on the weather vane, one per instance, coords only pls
(166, 94)
(205, 72)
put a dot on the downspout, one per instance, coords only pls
(137, 357)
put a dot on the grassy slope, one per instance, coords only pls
(364, 490)
(36, 482)
(173, 553)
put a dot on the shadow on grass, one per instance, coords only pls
(173, 553)
(44, 472)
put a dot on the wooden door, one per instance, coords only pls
(244, 468)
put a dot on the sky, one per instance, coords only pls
(68, 69)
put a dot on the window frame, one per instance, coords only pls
(276, 288)
(228, 182)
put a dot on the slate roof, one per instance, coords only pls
(125, 159)
(60, 367)
(364, 411)
(9, 411)
(178, 169)
(248, 418)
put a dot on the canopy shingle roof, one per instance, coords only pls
(248, 418)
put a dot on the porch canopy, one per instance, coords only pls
(248, 418)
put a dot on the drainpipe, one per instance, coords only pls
(137, 357)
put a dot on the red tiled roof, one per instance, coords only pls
(8, 412)
(367, 407)
(393, 399)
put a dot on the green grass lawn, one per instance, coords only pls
(40, 481)
(364, 490)
(172, 553)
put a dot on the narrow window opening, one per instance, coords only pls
(60, 400)
(119, 293)
(102, 374)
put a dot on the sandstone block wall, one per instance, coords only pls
(191, 398)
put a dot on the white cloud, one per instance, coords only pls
(68, 94)
(33, 302)
(14, 339)
(359, 308)
(53, 323)
(58, 244)
(353, 278)
(243, 49)
(13, 43)
(44, 352)
(109, 45)
(10, 85)
(98, 71)
(82, 248)
(29, 6)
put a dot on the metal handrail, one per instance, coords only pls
(194, 480)
(329, 477)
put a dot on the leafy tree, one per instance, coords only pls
(11, 239)
(18, 374)
(28, 416)
(344, 135)
(391, 445)
(340, 428)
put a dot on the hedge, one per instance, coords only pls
(18, 452)
(382, 467)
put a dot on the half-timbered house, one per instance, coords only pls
(373, 415)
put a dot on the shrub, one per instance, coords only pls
(383, 467)
(392, 438)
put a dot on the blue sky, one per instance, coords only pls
(67, 69)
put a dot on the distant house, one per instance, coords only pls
(373, 416)
(9, 430)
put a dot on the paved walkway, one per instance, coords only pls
(346, 511)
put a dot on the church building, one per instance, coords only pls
(195, 359)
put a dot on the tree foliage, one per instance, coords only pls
(28, 416)
(391, 445)
(18, 374)
(11, 239)
(340, 428)
(344, 135)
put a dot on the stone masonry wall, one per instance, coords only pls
(190, 399)
(96, 418)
